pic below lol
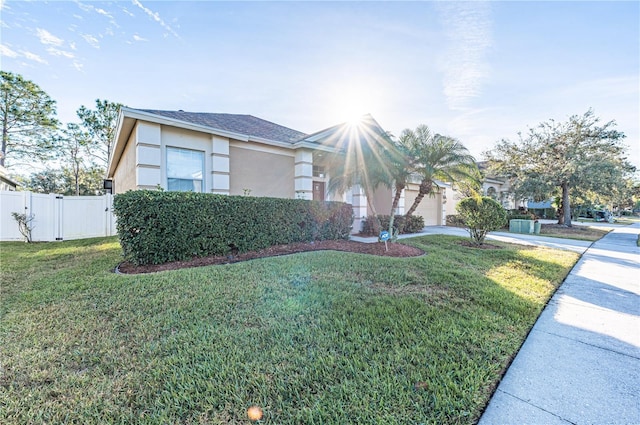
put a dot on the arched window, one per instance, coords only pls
(491, 192)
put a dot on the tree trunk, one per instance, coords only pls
(394, 206)
(566, 208)
(5, 130)
(560, 214)
(77, 177)
(396, 197)
(377, 227)
(425, 189)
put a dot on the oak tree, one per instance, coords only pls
(563, 158)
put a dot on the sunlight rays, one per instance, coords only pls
(366, 155)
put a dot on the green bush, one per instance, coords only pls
(549, 213)
(519, 215)
(414, 225)
(156, 227)
(481, 215)
(454, 220)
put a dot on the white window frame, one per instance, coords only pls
(182, 177)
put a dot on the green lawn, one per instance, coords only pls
(313, 338)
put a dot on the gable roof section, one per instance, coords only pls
(366, 128)
(243, 128)
(234, 123)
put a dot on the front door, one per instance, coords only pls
(318, 191)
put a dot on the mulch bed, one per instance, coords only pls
(394, 250)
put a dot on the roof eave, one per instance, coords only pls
(128, 117)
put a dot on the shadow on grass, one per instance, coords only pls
(319, 337)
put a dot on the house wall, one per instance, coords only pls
(382, 199)
(124, 177)
(501, 190)
(5, 185)
(5, 182)
(264, 171)
(453, 199)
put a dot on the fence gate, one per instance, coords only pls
(57, 217)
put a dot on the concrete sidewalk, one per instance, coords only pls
(581, 362)
(522, 239)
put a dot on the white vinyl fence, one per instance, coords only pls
(57, 217)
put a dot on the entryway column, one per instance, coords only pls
(400, 209)
(359, 204)
(220, 173)
(148, 156)
(303, 179)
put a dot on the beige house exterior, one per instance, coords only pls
(244, 155)
(498, 188)
(5, 181)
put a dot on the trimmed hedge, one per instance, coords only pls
(455, 220)
(414, 225)
(550, 213)
(520, 215)
(157, 227)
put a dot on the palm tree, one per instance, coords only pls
(367, 157)
(402, 170)
(438, 157)
(401, 167)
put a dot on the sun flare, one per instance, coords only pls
(351, 104)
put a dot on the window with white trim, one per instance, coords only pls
(185, 168)
(318, 171)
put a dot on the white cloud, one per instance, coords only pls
(126, 12)
(85, 7)
(136, 37)
(6, 51)
(467, 28)
(34, 57)
(94, 42)
(98, 10)
(47, 38)
(156, 17)
(104, 12)
(72, 45)
(57, 52)
(78, 66)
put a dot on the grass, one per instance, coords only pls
(580, 232)
(313, 338)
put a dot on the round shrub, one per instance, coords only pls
(481, 215)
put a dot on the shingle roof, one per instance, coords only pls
(235, 123)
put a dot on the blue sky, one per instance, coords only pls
(478, 71)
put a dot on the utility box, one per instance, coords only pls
(521, 226)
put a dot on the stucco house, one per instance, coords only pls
(497, 187)
(5, 181)
(241, 154)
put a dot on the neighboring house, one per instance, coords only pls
(242, 154)
(5, 182)
(498, 188)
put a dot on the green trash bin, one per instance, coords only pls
(536, 227)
